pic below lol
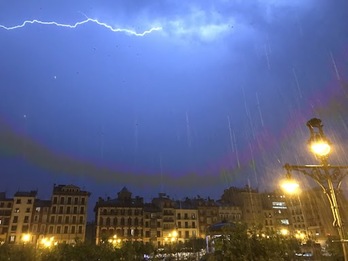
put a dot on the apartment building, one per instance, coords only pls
(27, 219)
(152, 224)
(21, 215)
(120, 218)
(5, 216)
(276, 213)
(68, 214)
(40, 218)
(167, 225)
(186, 222)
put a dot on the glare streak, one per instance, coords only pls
(335, 67)
(297, 83)
(73, 26)
(188, 130)
(230, 131)
(259, 108)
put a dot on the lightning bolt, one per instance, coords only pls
(87, 20)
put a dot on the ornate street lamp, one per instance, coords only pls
(327, 176)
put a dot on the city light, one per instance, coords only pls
(115, 241)
(26, 238)
(320, 148)
(290, 186)
(284, 232)
(48, 242)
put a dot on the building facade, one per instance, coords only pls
(27, 219)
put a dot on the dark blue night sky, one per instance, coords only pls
(218, 97)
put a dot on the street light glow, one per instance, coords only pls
(48, 242)
(26, 238)
(290, 186)
(320, 148)
(284, 232)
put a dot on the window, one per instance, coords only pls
(54, 210)
(186, 225)
(69, 200)
(59, 219)
(25, 229)
(193, 224)
(158, 233)
(37, 209)
(50, 230)
(76, 200)
(12, 239)
(29, 201)
(75, 210)
(179, 224)
(13, 228)
(16, 210)
(52, 219)
(187, 234)
(73, 230)
(55, 200)
(80, 229)
(107, 221)
(83, 201)
(18, 201)
(58, 229)
(26, 219)
(15, 219)
(0, 221)
(27, 210)
(74, 219)
(66, 220)
(82, 210)
(61, 210)
(66, 230)
(62, 200)
(68, 210)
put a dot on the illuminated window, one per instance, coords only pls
(279, 205)
(284, 221)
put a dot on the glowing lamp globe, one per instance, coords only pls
(290, 186)
(320, 148)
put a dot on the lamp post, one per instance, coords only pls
(327, 176)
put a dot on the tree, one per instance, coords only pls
(237, 242)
